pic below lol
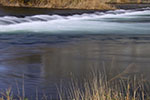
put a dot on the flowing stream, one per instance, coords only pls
(43, 50)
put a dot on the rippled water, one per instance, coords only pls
(119, 21)
(43, 50)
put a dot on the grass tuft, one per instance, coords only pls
(124, 86)
(98, 87)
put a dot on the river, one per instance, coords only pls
(43, 51)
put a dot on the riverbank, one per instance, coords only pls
(76, 5)
(29, 11)
(59, 4)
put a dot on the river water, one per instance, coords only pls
(41, 51)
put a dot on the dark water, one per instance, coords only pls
(44, 50)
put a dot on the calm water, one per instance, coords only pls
(45, 50)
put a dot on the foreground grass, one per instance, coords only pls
(98, 87)
(59, 4)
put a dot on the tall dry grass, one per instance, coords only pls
(127, 85)
(101, 90)
(99, 87)
(60, 4)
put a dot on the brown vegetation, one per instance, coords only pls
(99, 88)
(59, 4)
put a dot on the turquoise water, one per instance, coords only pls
(44, 50)
(110, 22)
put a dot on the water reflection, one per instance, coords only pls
(45, 64)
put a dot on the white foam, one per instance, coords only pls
(98, 22)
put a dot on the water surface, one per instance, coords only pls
(45, 50)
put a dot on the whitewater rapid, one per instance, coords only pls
(110, 22)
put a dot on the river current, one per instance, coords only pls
(40, 51)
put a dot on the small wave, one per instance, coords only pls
(116, 13)
(98, 22)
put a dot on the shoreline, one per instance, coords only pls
(30, 11)
(128, 6)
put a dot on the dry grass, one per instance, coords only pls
(60, 4)
(99, 87)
